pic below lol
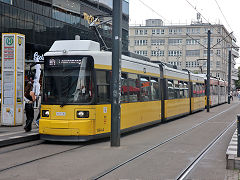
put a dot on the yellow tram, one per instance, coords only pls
(76, 92)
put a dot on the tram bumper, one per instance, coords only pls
(66, 128)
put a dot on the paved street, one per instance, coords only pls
(41, 160)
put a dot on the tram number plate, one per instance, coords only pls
(60, 113)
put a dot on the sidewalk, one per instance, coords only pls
(15, 134)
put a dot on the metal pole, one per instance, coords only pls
(238, 134)
(229, 75)
(116, 71)
(208, 70)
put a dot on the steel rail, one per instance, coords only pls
(39, 142)
(192, 164)
(40, 158)
(100, 175)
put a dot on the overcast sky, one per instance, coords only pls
(181, 12)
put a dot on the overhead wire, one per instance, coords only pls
(153, 10)
(223, 14)
(180, 47)
(210, 24)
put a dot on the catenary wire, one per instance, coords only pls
(153, 10)
(210, 24)
(223, 15)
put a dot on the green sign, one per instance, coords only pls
(9, 41)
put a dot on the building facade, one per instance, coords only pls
(185, 45)
(44, 21)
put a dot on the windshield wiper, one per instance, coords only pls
(64, 103)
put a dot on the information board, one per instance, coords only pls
(12, 86)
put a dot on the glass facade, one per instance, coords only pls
(44, 21)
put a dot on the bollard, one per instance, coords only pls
(238, 134)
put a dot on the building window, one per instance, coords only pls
(218, 64)
(192, 64)
(6, 1)
(174, 41)
(140, 42)
(218, 41)
(193, 53)
(143, 53)
(157, 41)
(175, 63)
(157, 53)
(192, 41)
(206, 30)
(175, 31)
(157, 31)
(139, 32)
(162, 31)
(205, 41)
(145, 31)
(219, 52)
(153, 31)
(205, 52)
(174, 53)
(193, 30)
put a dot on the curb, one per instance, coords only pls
(19, 139)
(233, 162)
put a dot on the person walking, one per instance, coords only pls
(29, 98)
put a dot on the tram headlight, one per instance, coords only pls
(45, 113)
(82, 114)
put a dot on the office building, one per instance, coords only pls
(185, 45)
(44, 21)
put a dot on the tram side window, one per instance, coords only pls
(145, 88)
(222, 90)
(134, 89)
(155, 89)
(170, 89)
(176, 89)
(124, 89)
(185, 89)
(202, 90)
(211, 89)
(215, 90)
(103, 86)
(181, 89)
(197, 90)
(194, 89)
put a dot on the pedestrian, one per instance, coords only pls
(231, 95)
(239, 95)
(29, 98)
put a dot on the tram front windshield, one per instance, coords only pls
(68, 80)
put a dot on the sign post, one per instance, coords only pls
(12, 87)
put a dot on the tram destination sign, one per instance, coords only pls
(57, 62)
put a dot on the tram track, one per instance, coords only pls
(39, 158)
(192, 164)
(110, 170)
(11, 149)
